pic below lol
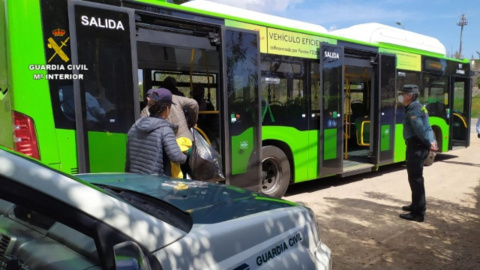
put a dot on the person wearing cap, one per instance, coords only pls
(151, 143)
(145, 112)
(419, 138)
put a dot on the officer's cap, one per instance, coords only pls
(410, 89)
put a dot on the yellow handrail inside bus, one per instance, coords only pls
(360, 132)
(203, 135)
(208, 112)
(462, 118)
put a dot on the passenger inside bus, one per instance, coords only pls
(171, 84)
(198, 93)
(95, 112)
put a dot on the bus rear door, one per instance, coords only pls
(384, 109)
(106, 99)
(460, 112)
(242, 117)
(330, 139)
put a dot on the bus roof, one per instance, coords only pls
(254, 16)
(378, 33)
(374, 33)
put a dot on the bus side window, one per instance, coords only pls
(95, 112)
(67, 104)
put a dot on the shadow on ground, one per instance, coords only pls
(335, 181)
(365, 234)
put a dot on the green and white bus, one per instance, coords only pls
(289, 101)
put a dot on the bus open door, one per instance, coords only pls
(242, 117)
(384, 109)
(105, 100)
(330, 139)
(460, 111)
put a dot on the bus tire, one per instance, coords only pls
(275, 171)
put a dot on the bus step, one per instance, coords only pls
(357, 169)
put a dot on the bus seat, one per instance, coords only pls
(460, 127)
(362, 127)
(210, 106)
(358, 109)
(294, 107)
(270, 110)
(436, 109)
(277, 109)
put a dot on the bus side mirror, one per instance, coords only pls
(129, 256)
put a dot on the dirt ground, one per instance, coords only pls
(360, 223)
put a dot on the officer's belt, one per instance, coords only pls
(414, 141)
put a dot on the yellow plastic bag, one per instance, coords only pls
(184, 144)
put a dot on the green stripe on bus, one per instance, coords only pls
(67, 148)
(303, 146)
(241, 149)
(100, 151)
(385, 138)
(330, 144)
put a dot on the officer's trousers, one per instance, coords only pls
(416, 154)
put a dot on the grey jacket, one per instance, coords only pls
(151, 145)
(183, 107)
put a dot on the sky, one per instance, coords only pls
(435, 18)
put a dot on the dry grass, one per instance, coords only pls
(475, 102)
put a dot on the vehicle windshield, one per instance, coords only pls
(181, 202)
(157, 208)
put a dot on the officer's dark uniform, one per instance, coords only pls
(418, 136)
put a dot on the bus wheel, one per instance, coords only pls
(275, 171)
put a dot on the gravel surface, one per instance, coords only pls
(360, 223)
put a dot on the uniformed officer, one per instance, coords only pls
(418, 136)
